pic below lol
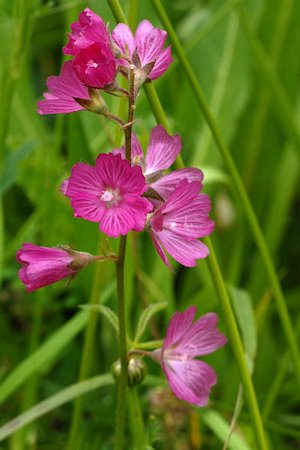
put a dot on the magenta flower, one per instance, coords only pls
(110, 193)
(89, 29)
(63, 92)
(178, 222)
(96, 66)
(42, 266)
(145, 50)
(90, 44)
(161, 154)
(190, 379)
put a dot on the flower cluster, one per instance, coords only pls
(98, 57)
(131, 189)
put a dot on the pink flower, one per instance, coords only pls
(63, 92)
(161, 154)
(110, 193)
(145, 50)
(89, 29)
(89, 42)
(178, 222)
(96, 66)
(42, 266)
(190, 379)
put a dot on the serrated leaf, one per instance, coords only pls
(146, 316)
(107, 312)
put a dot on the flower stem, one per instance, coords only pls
(237, 346)
(136, 419)
(122, 386)
(122, 383)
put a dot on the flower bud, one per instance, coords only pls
(42, 266)
(136, 371)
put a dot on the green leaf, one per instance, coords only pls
(146, 316)
(11, 166)
(45, 354)
(53, 402)
(244, 312)
(221, 428)
(107, 312)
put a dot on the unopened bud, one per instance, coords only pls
(95, 104)
(135, 373)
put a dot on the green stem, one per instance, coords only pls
(278, 379)
(87, 355)
(122, 383)
(138, 431)
(237, 346)
(238, 185)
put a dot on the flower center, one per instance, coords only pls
(111, 197)
(92, 64)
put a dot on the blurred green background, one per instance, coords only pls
(236, 57)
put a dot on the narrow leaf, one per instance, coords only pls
(11, 165)
(221, 428)
(62, 397)
(146, 316)
(107, 312)
(46, 353)
(244, 312)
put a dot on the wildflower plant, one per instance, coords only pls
(129, 191)
(135, 189)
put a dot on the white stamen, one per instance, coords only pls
(92, 64)
(172, 225)
(107, 196)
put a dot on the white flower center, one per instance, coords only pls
(92, 64)
(111, 197)
(172, 225)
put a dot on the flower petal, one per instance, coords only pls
(202, 337)
(178, 326)
(159, 249)
(186, 252)
(88, 207)
(149, 42)
(162, 150)
(124, 39)
(191, 220)
(117, 221)
(118, 173)
(89, 29)
(84, 179)
(42, 265)
(190, 380)
(63, 89)
(96, 65)
(137, 154)
(161, 64)
(168, 183)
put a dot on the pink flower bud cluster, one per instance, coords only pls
(98, 57)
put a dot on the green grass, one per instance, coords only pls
(234, 88)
